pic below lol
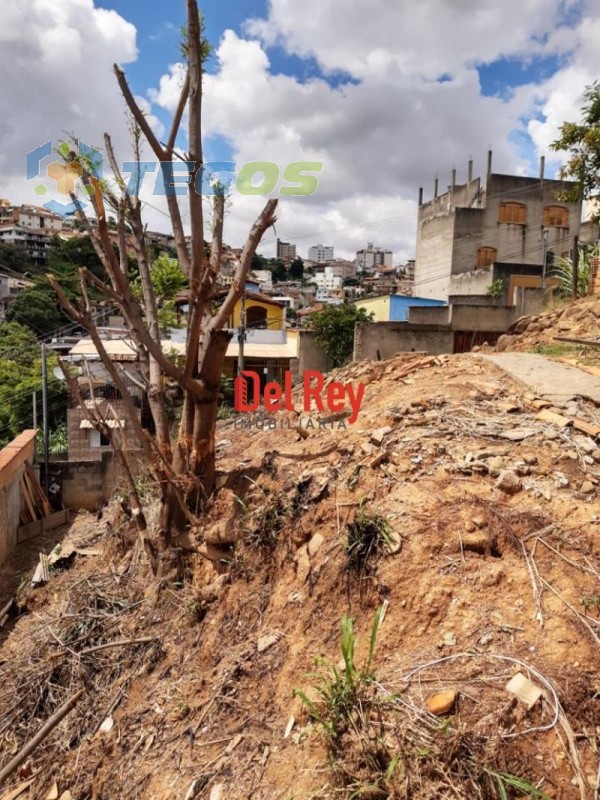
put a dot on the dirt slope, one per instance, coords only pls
(491, 551)
(576, 320)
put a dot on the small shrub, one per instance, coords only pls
(343, 693)
(368, 534)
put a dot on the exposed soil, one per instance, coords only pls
(485, 582)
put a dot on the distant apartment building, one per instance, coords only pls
(320, 253)
(328, 279)
(32, 217)
(372, 258)
(498, 227)
(286, 252)
(343, 269)
(33, 240)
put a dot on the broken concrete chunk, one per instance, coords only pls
(546, 415)
(377, 436)
(524, 690)
(266, 642)
(441, 703)
(509, 482)
(585, 443)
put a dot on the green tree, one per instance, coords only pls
(297, 269)
(334, 330)
(78, 251)
(581, 140)
(37, 306)
(167, 281)
(278, 270)
(20, 376)
(17, 259)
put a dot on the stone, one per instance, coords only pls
(530, 460)
(266, 642)
(377, 436)
(524, 690)
(585, 443)
(509, 482)
(441, 703)
(587, 487)
(596, 456)
(302, 564)
(517, 434)
(315, 544)
(496, 464)
(477, 542)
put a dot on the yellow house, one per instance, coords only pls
(261, 312)
(378, 306)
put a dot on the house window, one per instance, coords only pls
(513, 213)
(256, 317)
(98, 439)
(556, 217)
(486, 256)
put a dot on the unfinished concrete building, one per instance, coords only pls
(467, 233)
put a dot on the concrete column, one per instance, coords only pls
(420, 195)
(489, 163)
(435, 186)
(470, 170)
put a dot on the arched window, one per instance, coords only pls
(556, 217)
(256, 317)
(486, 256)
(513, 213)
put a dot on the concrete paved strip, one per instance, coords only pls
(556, 382)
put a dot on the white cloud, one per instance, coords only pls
(56, 57)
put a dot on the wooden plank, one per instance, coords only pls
(27, 497)
(586, 427)
(35, 484)
(586, 342)
(46, 524)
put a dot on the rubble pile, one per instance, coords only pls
(547, 331)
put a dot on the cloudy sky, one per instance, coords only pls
(385, 94)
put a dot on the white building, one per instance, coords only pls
(320, 253)
(328, 279)
(264, 278)
(373, 257)
(34, 240)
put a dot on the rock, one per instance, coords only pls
(517, 434)
(315, 544)
(441, 703)
(523, 689)
(530, 460)
(394, 543)
(302, 564)
(496, 464)
(585, 443)
(377, 436)
(587, 487)
(477, 542)
(214, 553)
(266, 642)
(366, 448)
(596, 456)
(509, 482)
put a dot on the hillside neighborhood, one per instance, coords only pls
(300, 492)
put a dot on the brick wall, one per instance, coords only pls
(80, 448)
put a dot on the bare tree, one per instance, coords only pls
(184, 460)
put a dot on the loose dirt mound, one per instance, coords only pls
(450, 505)
(545, 332)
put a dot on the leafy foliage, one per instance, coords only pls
(562, 270)
(495, 289)
(582, 142)
(167, 281)
(297, 269)
(17, 259)
(342, 692)
(334, 330)
(20, 376)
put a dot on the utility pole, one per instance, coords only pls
(544, 257)
(242, 333)
(34, 409)
(575, 266)
(45, 415)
